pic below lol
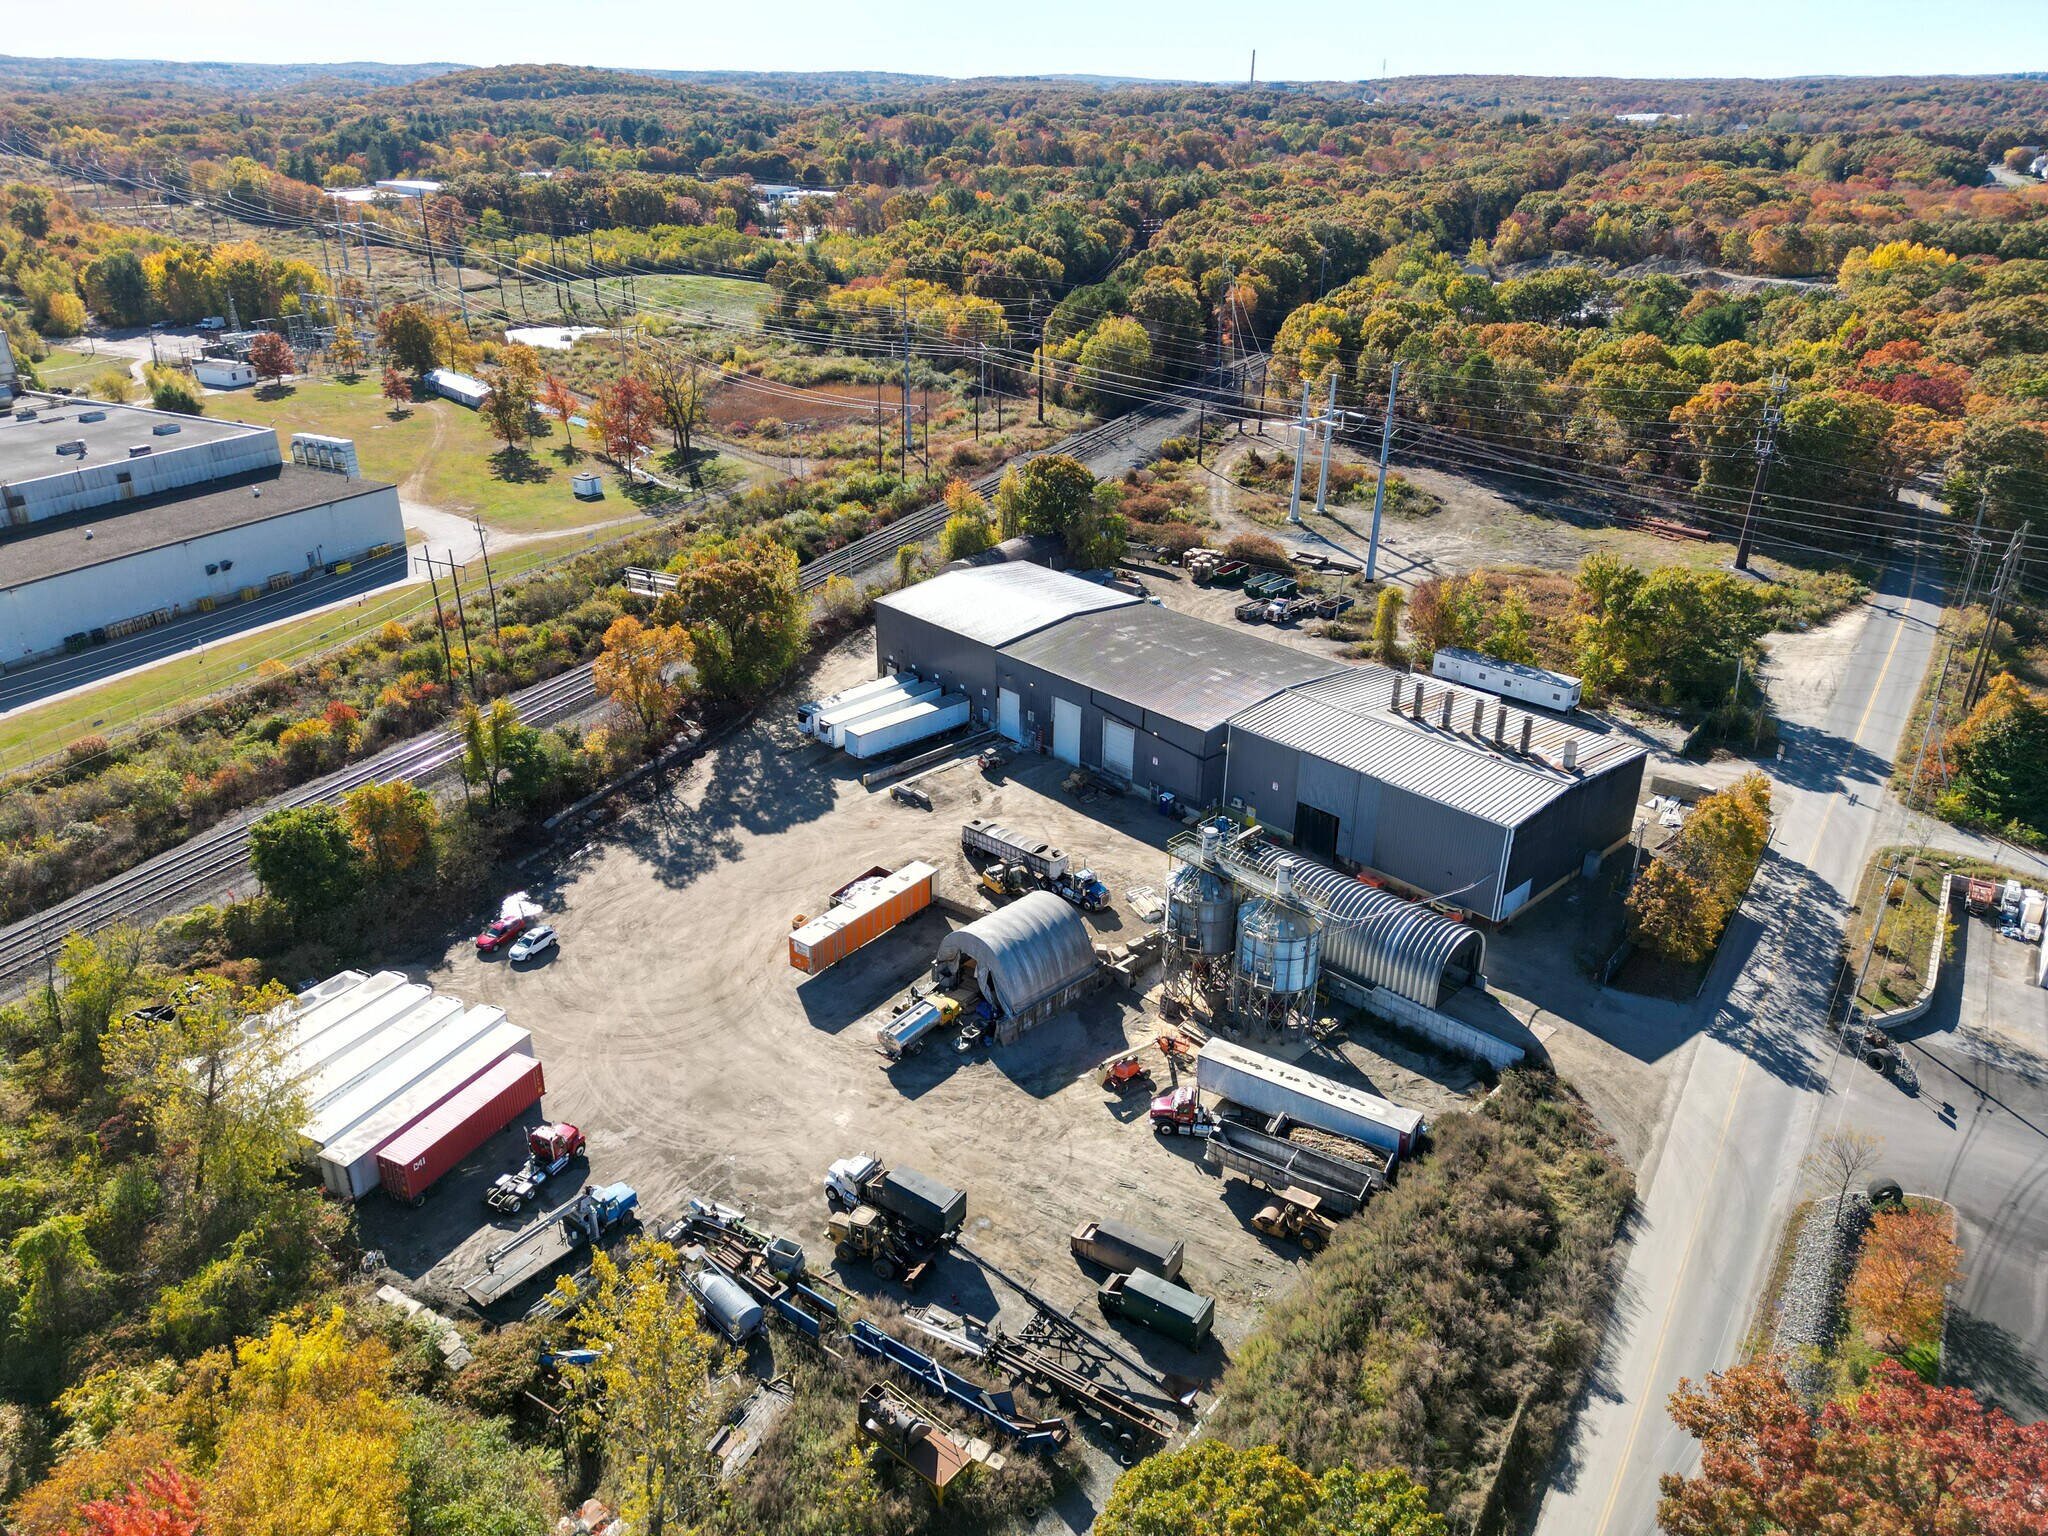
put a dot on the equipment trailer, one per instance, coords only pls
(583, 1222)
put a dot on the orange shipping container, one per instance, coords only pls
(868, 913)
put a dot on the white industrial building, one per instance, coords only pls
(118, 516)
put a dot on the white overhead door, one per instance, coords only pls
(1119, 747)
(1066, 732)
(1008, 719)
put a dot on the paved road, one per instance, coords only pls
(61, 674)
(1976, 1135)
(1714, 1198)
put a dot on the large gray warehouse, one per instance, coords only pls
(117, 517)
(1443, 791)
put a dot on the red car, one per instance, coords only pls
(501, 933)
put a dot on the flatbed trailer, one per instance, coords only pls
(528, 1255)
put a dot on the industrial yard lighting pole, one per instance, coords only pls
(1300, 454)
(1379, 491)
(1329, 425)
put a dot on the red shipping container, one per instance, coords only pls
(411, 1161)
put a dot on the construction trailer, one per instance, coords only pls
(1160, 1305)
(860, 913)
(1117, 1247)
(1510, 679)
(868, 702)
(1267, 1085)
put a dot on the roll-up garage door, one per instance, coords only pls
(1119, 746)
(1008, 719)
(1066, 732)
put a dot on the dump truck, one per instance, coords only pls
(1273, 1162)
(1160, 1305)
(1122, 1249)
(1045, 862)
(549, 1149)
(595, 1214)
(906, 1033)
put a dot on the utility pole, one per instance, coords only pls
(440, 623)
(980, 378)
(462, 618)
(2006, 568)
(1766, 435)
(1379, 491)
(1329, 426)
(484, 549)
(427, 229)
(1300, 457)
(1040, 359)
(903, 455)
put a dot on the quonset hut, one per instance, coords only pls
(1029, 959)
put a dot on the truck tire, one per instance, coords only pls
(419, 1199)
(844, 1253)
(885, 1268)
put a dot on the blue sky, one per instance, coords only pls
(1197, 39)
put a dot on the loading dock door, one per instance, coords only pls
(1008, 719)
(1066, 732)
(1315, 831)
(1119, 747)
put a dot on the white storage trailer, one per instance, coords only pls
(1509, 679)
(305, 1059)
(900, 728)
(809, 716)
(418, 1060)
(832, 728)
(348, 1164)
(305, 1021)
(379, 1053)
(1268, 1086)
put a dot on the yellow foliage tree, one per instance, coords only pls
(641, 669)
(1910, 1259)
(392, 824)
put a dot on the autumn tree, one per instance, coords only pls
(641, 669)
(100, 976)
(411, 337)
(392, 826)
(624, 421)
(214, 1078)
(2000, 752)
(271, 356)
(501, 752)
(559, 401)
(508, 408)
(1212, 1489)
(648, 1395)
(1386, 625)
(1901, 1283)
(967, 531)
(1674, 913)
(396, 388)
(305, 857)
(745, 613)
(1899, 1457)
(164, 1503)
(678, 396)
(347, 352)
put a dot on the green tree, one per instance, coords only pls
(648, 1397)
(306, 859)
(216, 1083)
(501, 752)
(508, 408)
(1056, 496)
(60, 1281)
(746, 615)
(171, 390)
(465, 1475)
(1115, 364)
(1212, 1489)
(967, 532)
(2001, 755)
(100, 976)
(411, 338)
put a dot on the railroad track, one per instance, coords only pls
(218, 857)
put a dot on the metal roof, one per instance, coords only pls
(1349, 719)
(1170, 664)
(1025, 952)
(1373, 935)
(996, 604)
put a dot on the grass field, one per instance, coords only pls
(437, 453)
(184, 681)
(68, 368)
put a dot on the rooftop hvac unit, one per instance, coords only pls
(165, 428)
(26, 413)
(75, 449)
(85, 416)
(138, 450)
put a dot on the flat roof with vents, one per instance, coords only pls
(28, 448)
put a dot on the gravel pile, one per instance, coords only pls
(1812, 1296)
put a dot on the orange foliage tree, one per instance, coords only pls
(1910, 1259)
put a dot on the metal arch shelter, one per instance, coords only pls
(1374, 935)
(1024, 952)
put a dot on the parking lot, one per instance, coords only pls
(676, 1034)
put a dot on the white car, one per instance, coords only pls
(533, 941)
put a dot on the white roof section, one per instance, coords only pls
(996, 604)
(1025, 952)
(1350, 720)
(1517, 668)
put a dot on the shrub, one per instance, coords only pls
(1257, 549)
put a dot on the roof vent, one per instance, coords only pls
(1571, 753)
(165, 429)
(1479, 717)
(1283, 882)
(1528, 724)
(85, 416)
(1443, 715)
(75, 449)
(1500, 723)
(26, 413)
(138, 450)
(1397, 693)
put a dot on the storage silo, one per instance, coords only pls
(1278, 960)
